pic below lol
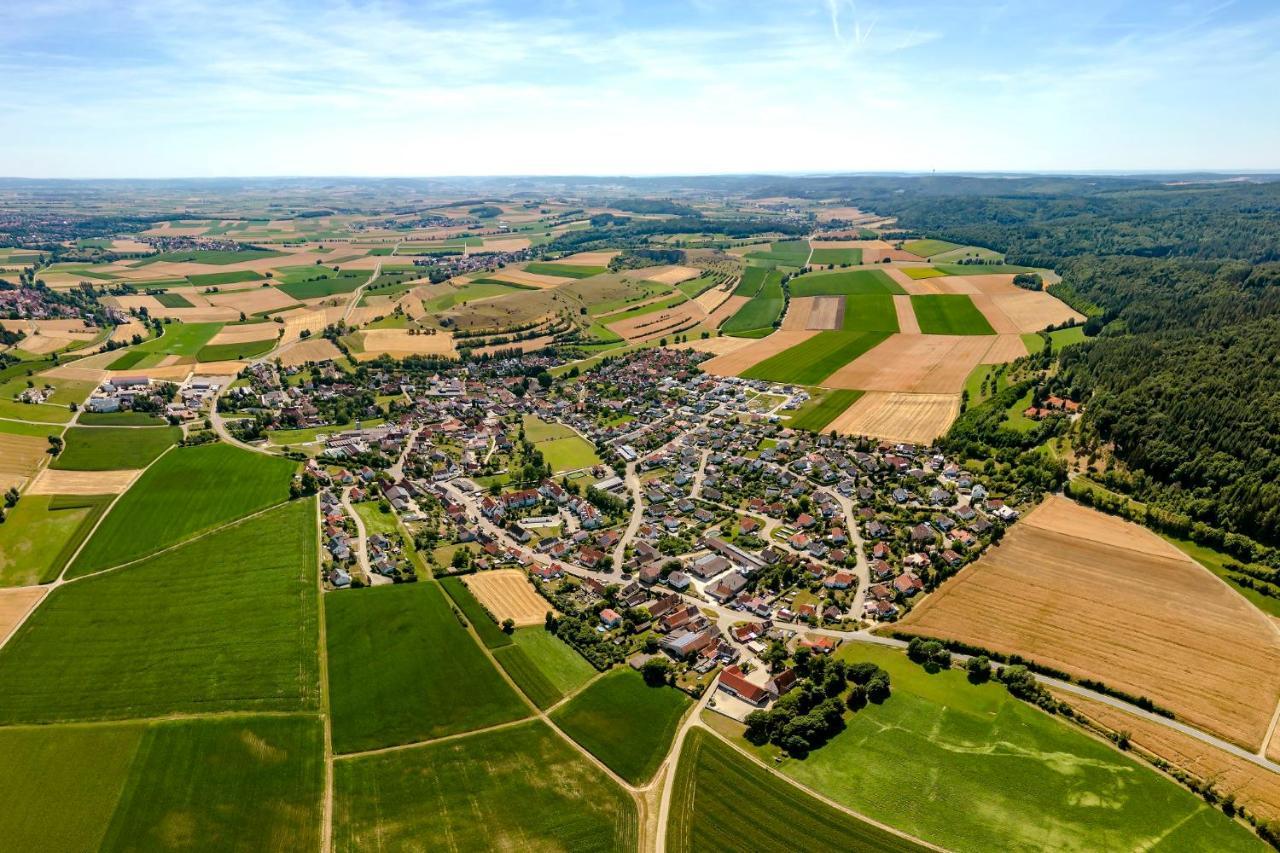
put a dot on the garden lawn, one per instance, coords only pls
(403, 669)
(989, 772)
(823, 409)
(188, 491)
(519, 788)
(624, 722)
(564, 270)
(713, 783)
(226, 622)
(810, 362)
(844, 283)
(544, 666)
(949, 314)
(113, 448)
(41, 533)
(827, 257)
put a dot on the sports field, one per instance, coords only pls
(1164, 627)
(949, 314)
(844, 283)
(227, 622)
(1042, 784)
(543, 666)
(624, 722)
(815, 359)
(519, 788)
(113, 449)
(189, 490)
(41, 533)
(713, 783)
(403, 669)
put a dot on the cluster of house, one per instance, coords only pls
(121, 393)
(1052, 405)
(33, 303)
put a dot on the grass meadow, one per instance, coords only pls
(624, 722)
(929, 248)
(949, 314)
(227, 622)
(791, 253)
(190, 490)
(42, 532)
(561, 447)
(810, 362)
(1070, 336)
(474, 612)
(543, 666)
(844, 283)
(519, 788)
(113, 449)
(403, 669)
(714, 781)
(828, 257)
(332, 284)
(823, 409)
(233, 352)
(1042, 784)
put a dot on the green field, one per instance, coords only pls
(625, 723)
(564, 270)
(520, 788)
(695, 287)
(333, 283)
(226, 622)
(929, 248)
(1060, 338)
(41, 533)
(181, 339)
(248, 783)
(949, 314)
(474, 612)
(113, 448)
(232, 352)
(120, 419)
(543, 666)
(791, 253)
(216, 279)
(561, 447)
(467, 293)
(403, 669)
(191, 489)
(757, 315)
(173, 300)
(920, 273)
(713, 784)
(846, 283)
(651, 308)
(980, 269)
(812, 361)
(827, 257)
(38, 412)
(823, 409)
(65, 391)
(973, 384)
(870, 312)
(1041, 783)
(752, 280)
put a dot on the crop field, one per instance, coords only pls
(812, 361)
(949, 314)
(919, 273)
(713, 784)
(484, 623)
(403, 669)
(217, 279)
(823, 409)
(190, 490)
(342, 282)
(759, 313)
(895, 416)
(844, 283)
(234, 352)
(1165, 627)
(173, 300)
(922, 364)
(543, 666)
(1042, 783)
(738, 359)
(929, 248)
(153, 639)
(565, 270)
(252, 781)
(869, 312)
(181, 339)
(209, 256)
(41, 533)
(519, 788)
(752, 280)
(21, 455)
(827, 257)
(507, 594)
(791, 253)
(113, 449)
(15, 603)
(625, 723)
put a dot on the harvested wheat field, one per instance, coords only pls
(311, 320)
(586, 259)
(1254, 787)
(827, 313)
(42, 344)
(1103, 598)
(799, 310)
(999, 320)
(731, 364)
(507, 594)
(726, 309)
(507, 244)
(253, 301)
(15, 604)
(527, 345)
(907, 322)
(312, 349)
(681, 318)
(398, 343)
(52, 481)
(245, 334)
(715, 346)
(21, 455)
(529, 279)
(1006, 348)
(712, 299)
(1032, 311)
(877, 251)
(126, 245)
(893, 416)
(922, 364)
(672, 275)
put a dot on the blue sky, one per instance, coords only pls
(460, 87)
